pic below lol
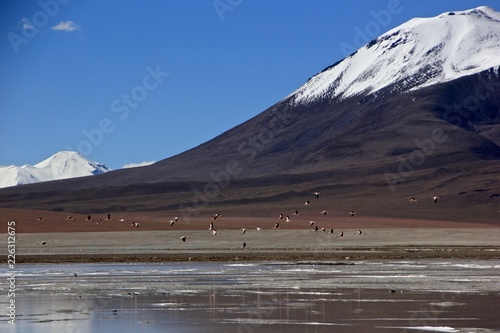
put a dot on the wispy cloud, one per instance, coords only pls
(135, 165)
(25, 24)
(66, 26)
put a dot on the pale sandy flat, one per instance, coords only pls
(272, 244)
(59, 239)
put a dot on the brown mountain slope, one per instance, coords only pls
(373, 152)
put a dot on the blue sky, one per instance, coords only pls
(133, 81)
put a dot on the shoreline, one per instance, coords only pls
(253, 245)
(340, 256)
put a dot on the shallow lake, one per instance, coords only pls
(369, 296)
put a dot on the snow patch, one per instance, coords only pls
(418, 53)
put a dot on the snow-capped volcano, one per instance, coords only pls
(416, 54)
(62, 165)
(374, 153)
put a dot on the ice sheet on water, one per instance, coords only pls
(433, 328)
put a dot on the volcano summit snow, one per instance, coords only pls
(62, 165)
(418, 53)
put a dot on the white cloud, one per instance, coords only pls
(135, 165)
(25, 24)
(66, 26)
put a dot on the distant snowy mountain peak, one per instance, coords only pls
(416, 54)
(69, 164)
(62, 165)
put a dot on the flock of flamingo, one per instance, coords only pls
(281, 217)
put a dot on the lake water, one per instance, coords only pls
(370, 296)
